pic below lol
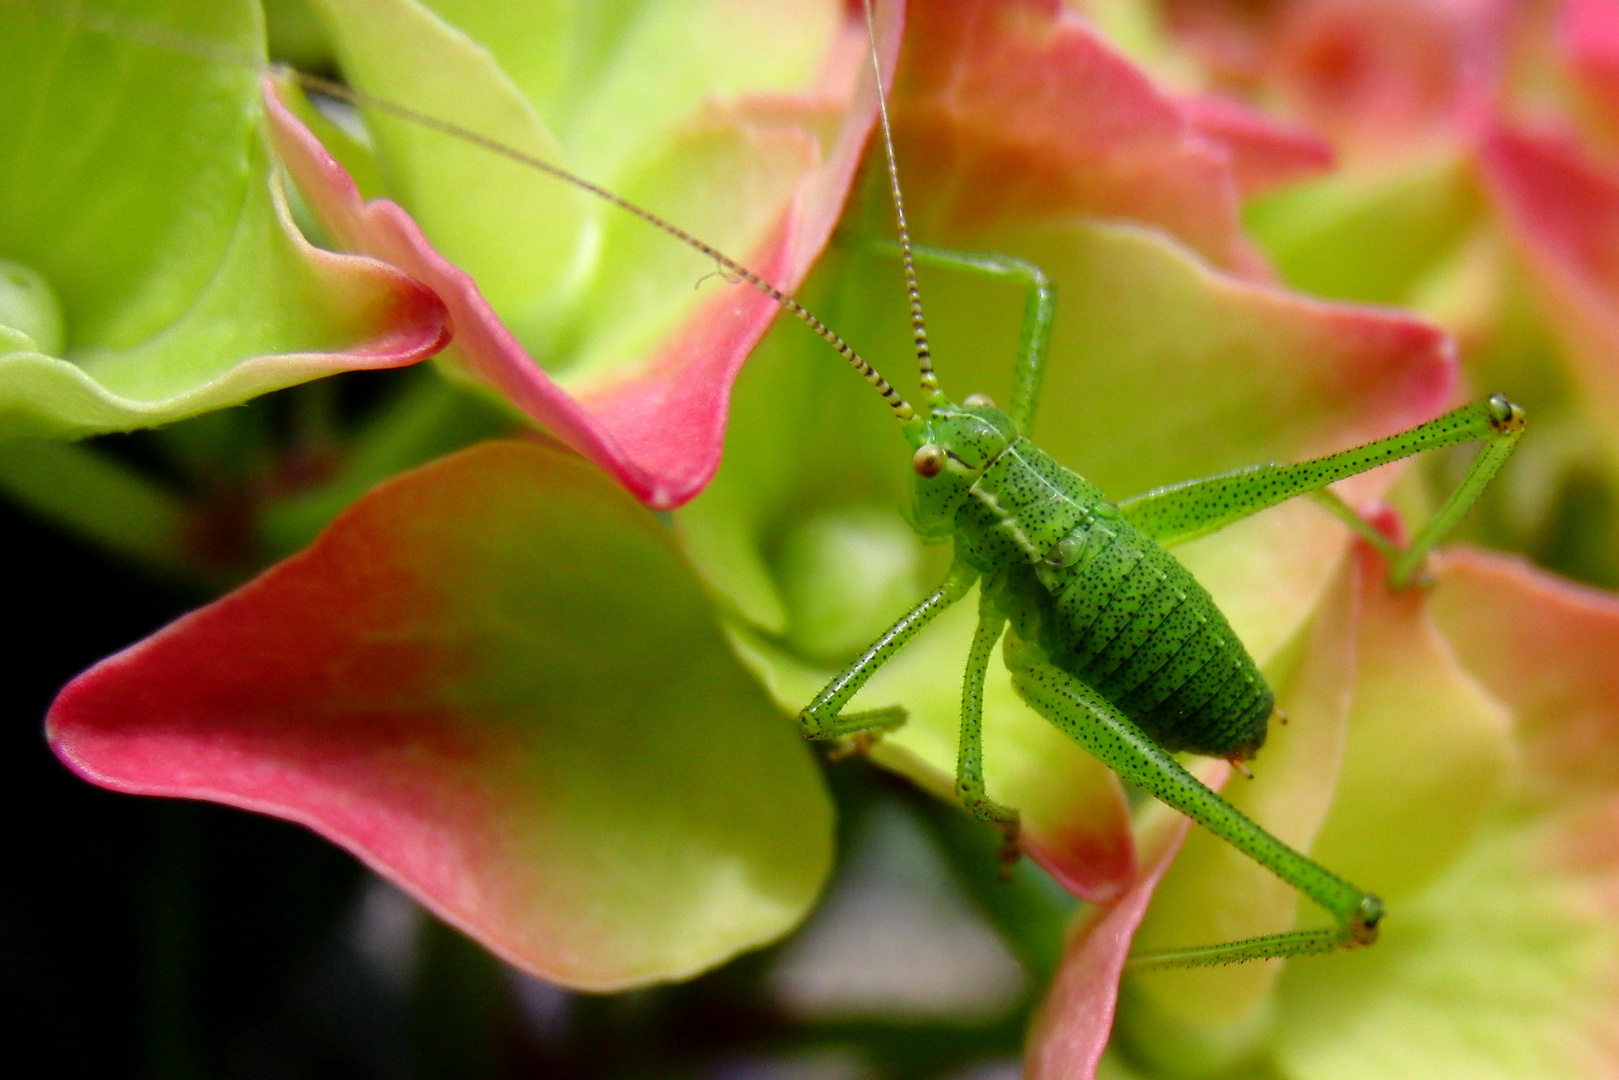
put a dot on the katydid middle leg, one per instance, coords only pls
(1039, 309)
(1098, 726)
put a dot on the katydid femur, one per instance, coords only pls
(1105, 634)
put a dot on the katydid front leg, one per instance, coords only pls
(1186, 511)
(1094, 723)
(822, 718)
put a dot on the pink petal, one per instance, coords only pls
(659, 431)
(484, 679)
(1547, 648)
(1072, 1026)
(1588, 33)
(1019, 110)
(1428, 747)
(1383, 78)
(1264, 153)
(1087, 847)
(1562, 211)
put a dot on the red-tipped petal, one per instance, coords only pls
(1385, 78)
(496, 681)
(1016, 111)
(658, 428)
(1562, 210)
(1265, 153)
(1074, 1022)
(1588, 33)
(1546, 647)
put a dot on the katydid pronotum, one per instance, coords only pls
(1105, 634)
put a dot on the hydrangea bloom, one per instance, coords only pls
(518, 694)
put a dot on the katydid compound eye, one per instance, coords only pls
(979, 401)
(928, 461)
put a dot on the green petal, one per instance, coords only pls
(1499, 970)
(1376, 241)
(615, 93)
(521, 235)
(1428, 751)
(139, 199)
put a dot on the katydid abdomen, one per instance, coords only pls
(1108, 605)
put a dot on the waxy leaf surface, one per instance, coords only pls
(497, 682)
(140, 203)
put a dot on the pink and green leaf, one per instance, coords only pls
(1507, 958)
(496, 681)
(1023, 110)
(1588, 34)
(1073, 1024)
(1541, 645)
(1561, 209)
(1264, 153)
(140, 204)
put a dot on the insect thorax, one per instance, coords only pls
(1103, 601)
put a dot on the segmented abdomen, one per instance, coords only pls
(1111, 607)
(1134, 625)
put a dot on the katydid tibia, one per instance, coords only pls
(1105, 634)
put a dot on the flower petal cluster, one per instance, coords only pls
(1435, 785)
(556, 717)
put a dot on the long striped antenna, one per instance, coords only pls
(113, 25)
(919, 329)
(314, 83)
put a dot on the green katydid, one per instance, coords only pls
(1106, 635)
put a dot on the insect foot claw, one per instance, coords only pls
(1011, 848)
(857, 745)
(1363, 928)
(881, 722)
(1420, 576)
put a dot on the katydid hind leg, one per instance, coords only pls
(824, 719)
(970, 788)
(1094, 723)
(1186, 511)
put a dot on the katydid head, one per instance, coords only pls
(954, 445)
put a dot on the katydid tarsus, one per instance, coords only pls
(1105, 634)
